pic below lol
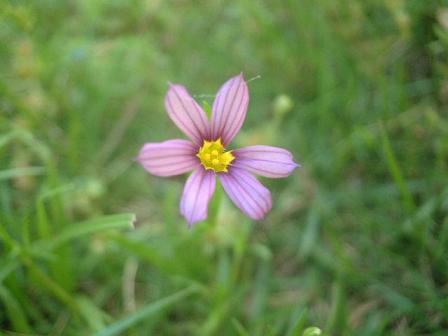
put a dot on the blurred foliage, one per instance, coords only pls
(357, 241)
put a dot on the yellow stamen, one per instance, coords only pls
(213, 156)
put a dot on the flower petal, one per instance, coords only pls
(229, 109)
(248, 194)
(169, 158)
(266, 161)
(197, 193)
(187, 114)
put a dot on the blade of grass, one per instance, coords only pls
(145, 252)
(18, 172)
(6, 138)
(9, 264)
(119, 327)
(260, 295)
(396, 172)
(14, 311)
(88, 227)
(336, 323)
(52, 286)
(311, 232)
(93, 315)
(240, 330)
(299, 324)
(312, 331)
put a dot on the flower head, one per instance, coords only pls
(213, 156)
(207, 157)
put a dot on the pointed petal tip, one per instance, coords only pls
(241, 77)
(174, 86)
(193, 221)
(186, 113)
(139, 160)
(261, 216)
(230, 108)
(177, 87)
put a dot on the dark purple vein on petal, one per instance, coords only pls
(203, 176)
(269, 161)
(248, 199)
(248, 151)
(219, 123)
(244, 206)
(239, 122)
(215, 115)
(170, 163)
(228, 115)
(188, 189)
(204, 121)
(150, 156)
(243, 179)
(232, 128)
(170, 171)
(188, 114)
(220, 108)
(186, 128)
(255, 169)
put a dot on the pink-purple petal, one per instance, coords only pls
(248, 194)
(229, 109)
(185, 112)
(266, 161)
(198, 191)
(169, 158)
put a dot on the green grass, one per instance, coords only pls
(357, 241)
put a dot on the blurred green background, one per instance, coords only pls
(357, 241)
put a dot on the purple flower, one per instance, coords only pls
(207, 157)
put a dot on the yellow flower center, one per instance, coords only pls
(213, 156)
